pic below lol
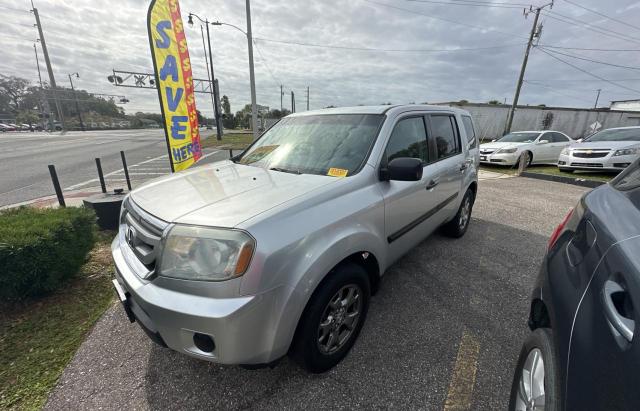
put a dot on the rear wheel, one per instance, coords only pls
(332, 319)
(536, 381)
(458, 226)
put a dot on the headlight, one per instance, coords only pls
(626, 152)
(565, 151)
(205, 254)
(507, 150)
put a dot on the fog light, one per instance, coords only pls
(203, 342)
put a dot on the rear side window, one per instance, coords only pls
(408, 139)
(444, 135)
(558, 138)
(471, 133)
(629, 179)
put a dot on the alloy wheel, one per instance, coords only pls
(465, 213)
(531, 386)
(339, 319)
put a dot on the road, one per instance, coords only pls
(443, 332)
(24, 158)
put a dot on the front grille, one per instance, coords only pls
(142, 233)
(590, 154)
(590, 165)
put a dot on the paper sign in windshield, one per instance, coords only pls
(337, 172)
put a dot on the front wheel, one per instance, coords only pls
(458, 226)
(536, 382)
(332, 319)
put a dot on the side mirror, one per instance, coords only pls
(405, 169)
(495, 139)
(543, 141)
(579, 140)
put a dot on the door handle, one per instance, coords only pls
(623, 325)
(464, 166)
(432, 184)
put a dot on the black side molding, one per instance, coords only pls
(404, 230)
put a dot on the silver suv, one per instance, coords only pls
(279, 249)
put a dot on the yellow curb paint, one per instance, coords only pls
(463, 378)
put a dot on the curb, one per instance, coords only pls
(74, 198)
(560, 179)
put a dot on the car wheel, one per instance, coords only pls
(458, 226)
(536, 381)
(332, 319)
(526, 157)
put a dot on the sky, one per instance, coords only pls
(347, 52)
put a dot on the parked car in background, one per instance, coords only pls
(534, 147)
(278, 249)
(583, 352)
(608, 150)
(7, 127)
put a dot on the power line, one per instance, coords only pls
(542, 82)
(264, 61)
(473, 4)
(584, 48)
(584, 79)
(591, 60)
(556, 91)
(355, 48)
(602, 15)
(14, 9)
(588, 73)
(589, 26)
(443, 19)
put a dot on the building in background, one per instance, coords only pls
(490, 119)
(625, 105)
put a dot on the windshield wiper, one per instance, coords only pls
(285, 170)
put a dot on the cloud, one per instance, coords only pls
(94, 37)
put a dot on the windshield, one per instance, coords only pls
(625, 134)
(519, 138)
(335, 145)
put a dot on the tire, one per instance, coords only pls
(529, 158)
(539, 342)
(311, 347)
(459, 224)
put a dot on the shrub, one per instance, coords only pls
(41, 248)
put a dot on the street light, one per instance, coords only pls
(252, 79)
(216, 99)
(76, 98)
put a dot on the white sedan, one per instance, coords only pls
(536, 147)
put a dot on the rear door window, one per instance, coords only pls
(471, 133)
(445, 135)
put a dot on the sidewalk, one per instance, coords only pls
(71, 199)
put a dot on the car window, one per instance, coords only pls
(558, 138)
(629, 179)
(471, 133)
(408, 139)
(444, 135)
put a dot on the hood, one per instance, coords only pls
(585, 145)
(222, 194)
(497, 145)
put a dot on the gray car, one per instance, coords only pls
(279, 249)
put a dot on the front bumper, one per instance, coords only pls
(506, 159)
(607, 163)
(243, 328)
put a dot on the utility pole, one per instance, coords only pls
(206, 60)
(252, 78)
(52, 79)
(44, 104)
(293, 102)
(281, 95)
(307, 98)
(75, 96)
(535, 32)
(597, 98)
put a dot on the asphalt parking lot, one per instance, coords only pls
(443, 332)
